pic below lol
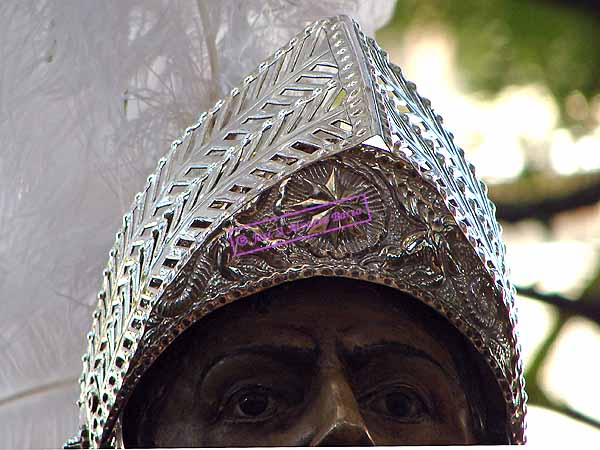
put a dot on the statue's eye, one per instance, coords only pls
(397, 402)
(252, 403)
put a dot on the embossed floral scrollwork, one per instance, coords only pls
(321, 190)
(483, 312)
(420, 253)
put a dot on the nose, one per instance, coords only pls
(341, 423)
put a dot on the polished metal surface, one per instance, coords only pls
(326, 117)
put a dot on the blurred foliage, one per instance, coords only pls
(508, 42)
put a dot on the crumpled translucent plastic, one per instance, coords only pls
(91, 95)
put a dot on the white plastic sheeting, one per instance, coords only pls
(91, 95)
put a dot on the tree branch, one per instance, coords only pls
(543, 209)
(581, 307)
(569, 412)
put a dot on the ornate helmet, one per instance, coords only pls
(324, 161)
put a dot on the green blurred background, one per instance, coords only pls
(518, 83)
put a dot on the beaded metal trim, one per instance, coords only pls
(326, 117)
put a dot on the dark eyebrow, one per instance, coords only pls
(360, 356)
(286, 354)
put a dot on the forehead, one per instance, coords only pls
(310, 313)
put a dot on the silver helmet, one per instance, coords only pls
(247, 199)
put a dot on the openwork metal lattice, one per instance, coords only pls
(327, 106)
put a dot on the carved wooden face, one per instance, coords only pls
(322, 361)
